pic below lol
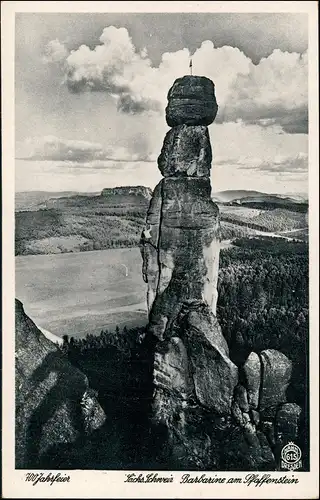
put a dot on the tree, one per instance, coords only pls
(65, 339)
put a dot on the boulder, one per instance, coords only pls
(191, 101)
(287, 423)
(54, 405)
(186, 152)
(276, 375)
(214, 374)
(171, 368)
(252, 376)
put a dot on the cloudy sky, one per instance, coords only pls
(91, 91)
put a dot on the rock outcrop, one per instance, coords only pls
(207, 413)
(252, 376)
(276, 375)
(189, 220)
(186, 152)
(214, 375)
(193, 375)
(127, 191)
(54, 404)
(191, 101)
(180, 244)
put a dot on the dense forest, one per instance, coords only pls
(263, 303)
(119, 368)
(263, 300)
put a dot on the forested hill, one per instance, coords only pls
(243, 196)
(80, 223)
(115, 218)
(34, 200)
(37, 200)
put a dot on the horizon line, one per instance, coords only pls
(305, 193)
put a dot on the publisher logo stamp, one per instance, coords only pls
(291, 457)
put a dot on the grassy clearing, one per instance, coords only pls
(82, 293)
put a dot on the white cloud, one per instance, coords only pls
(287, 164)
(237, 148)
(280, 164)
(57, 176)
(51, 148)
(55, 52)
(244, 157)
(273, 92)
(252, 157)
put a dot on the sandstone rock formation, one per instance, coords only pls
(191, 101)
(128, 190)
(54, 404)
(276, 375)
(193, 374)
(186, 152)
(186, 219)
(180, 244)
(252, 375)
(287, 426)
(214, 375)
(207, 413)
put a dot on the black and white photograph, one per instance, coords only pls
(161, 193)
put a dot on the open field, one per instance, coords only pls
(56, 231)
(78, 293)
(239, 211)
(275, 220)
(82, 293)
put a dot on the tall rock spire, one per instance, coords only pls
(181, 255)
(204, 416)
(192, 370)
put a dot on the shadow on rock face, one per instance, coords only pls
(63, 397)
(54, 404)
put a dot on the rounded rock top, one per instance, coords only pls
(191, 101)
